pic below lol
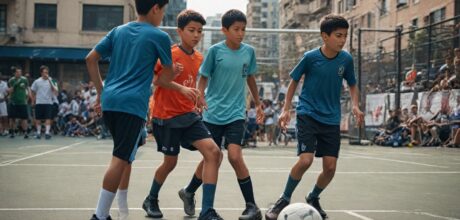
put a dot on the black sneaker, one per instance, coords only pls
(38, 136)
(95, 217)
(47, 136)
(315, 203)
(252, 212)
(189, 201)
(150, 206)
(26, 136)
(11, 135)
(211, 214)
(273, 212)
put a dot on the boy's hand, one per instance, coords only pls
(260, 115)
(201, 104)
(284, 119)
(190, 93)
(177, 68)
(359, 116)
(97, 106)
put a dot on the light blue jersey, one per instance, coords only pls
(320, 96)
(134, 49)
(227, 71)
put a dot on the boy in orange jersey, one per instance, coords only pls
(175, 122)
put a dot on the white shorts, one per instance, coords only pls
(3, 110)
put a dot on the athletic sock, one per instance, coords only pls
(104, 203)
(290, 187)
(209, 190)
(194, 184)
(315, 192)
(122, 199)
(39, 129)
(47, 129)
(246, 189)
(155, 189)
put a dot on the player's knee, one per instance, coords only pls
(215, 155)
(329, 170)
(169, 165)
(305, 163)
(234, 159)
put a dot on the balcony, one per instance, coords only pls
(320, 5)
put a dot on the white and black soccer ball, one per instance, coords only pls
(299, 211)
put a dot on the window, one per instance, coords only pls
(3, 19)
(370, 20)
(415, 22)
(438, 15)
(401, 3)
(101, 18)
(340, 7)
(415, 1)
(383, 7)
(45, 16)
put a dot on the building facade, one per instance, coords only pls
(299, 14)
(57, 33)
(173, 8)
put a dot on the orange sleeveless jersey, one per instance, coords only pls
(169, 103)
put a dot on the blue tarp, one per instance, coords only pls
(44, 53)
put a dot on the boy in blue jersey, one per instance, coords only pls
(227, 68)
(318, 112)
(133, 49)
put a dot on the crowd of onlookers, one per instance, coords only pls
(25, 102)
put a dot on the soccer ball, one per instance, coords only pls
(299, 211)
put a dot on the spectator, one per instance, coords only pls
(3, 107)
(18, 90)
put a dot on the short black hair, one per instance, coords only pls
(143, 6)
(186, 16)
(231, 17)
(332, 22)
(43, 67)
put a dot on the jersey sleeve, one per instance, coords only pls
(349, 75)
(105, 46)
(208, 65)
(163, 46)
(299, 69)
(253, 63)
(34, 86)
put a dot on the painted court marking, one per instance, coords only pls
(6, 163)
(398, 161)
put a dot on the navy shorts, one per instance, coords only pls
(127, 131)
(18, 111)
(233, 133)
(169, 140)
(43, 111)
(316, 137)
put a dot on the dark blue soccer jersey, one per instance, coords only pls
(320, 96)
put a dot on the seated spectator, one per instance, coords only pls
(73, 128)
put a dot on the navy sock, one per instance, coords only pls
(155, 189)
(208, 197)
(194, 184)
(315, 192)
(246, 189)
(290, 187)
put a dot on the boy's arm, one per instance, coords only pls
(359, 115)
(285, 115)
(166, 78)
(201, 102)
(92, 63)
(251, 81)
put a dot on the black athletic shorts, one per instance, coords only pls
(18, 111)
(43, 111)
(316, 137)
(233, 133)
(55, 110)
(126, 130)
(169, 140)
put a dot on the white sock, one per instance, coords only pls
(104, 203)
(39, 129)
(47, 129)
(122, 198)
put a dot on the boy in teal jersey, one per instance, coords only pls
(133, 48)
(227, 68)
(318, 112)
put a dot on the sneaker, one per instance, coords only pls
(150, 206)
(189, 201)
(211, 214)
(38, 136)
(11, 135)
(252, 212)
(273, 212)
(47, 136)
(26, 136)
(315, 203)
(95, 217)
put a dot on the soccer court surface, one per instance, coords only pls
(61, 179)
